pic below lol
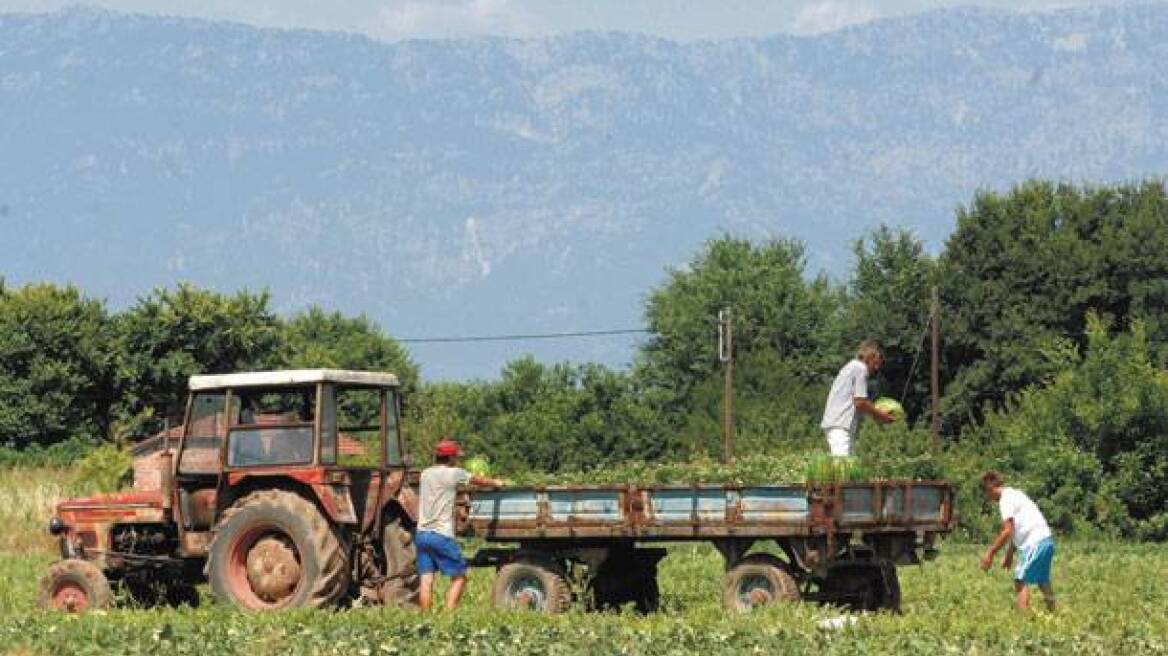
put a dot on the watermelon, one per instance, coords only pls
(891, 406)
(478, 465)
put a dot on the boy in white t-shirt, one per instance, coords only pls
(1023, 529)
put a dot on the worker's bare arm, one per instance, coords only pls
(484, 481)
(1004, 536)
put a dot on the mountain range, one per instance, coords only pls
(495, 186)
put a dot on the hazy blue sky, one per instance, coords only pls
(678, 19)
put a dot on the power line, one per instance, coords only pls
(521, 337)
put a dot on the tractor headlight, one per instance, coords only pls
(56, 526)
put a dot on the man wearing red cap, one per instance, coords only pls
(437, 549)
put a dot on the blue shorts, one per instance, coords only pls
(1034, 563)
(436, 552)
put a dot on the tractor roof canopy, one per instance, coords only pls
(292, 377)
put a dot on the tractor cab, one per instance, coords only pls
(329, 432)
(279, 488)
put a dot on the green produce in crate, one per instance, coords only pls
(833, 469)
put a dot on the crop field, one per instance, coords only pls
(1113, 599)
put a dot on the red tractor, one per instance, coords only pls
(285, 489)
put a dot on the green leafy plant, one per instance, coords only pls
(105, 469)
(835, 469)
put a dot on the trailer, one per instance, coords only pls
(837, 543)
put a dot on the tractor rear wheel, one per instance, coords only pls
(532, 584)
(74, 586)
(273, 550)
(758, 580)
(401, 566)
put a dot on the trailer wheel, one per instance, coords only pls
(869, 585)
(273, 550)
(74, 586)
(758, 580)
(534, 585)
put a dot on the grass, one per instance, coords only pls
(27, 499)
(1113, 597)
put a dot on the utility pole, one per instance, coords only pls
(935, 371)
(726, 357)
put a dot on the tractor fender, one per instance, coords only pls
(408, 500)
(333, 500)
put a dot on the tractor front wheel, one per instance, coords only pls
(74, 586)
(273, 550)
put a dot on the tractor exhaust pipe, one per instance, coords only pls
(166, 479)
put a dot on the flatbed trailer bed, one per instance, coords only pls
(840, 542)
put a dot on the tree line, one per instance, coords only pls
(1055, 337)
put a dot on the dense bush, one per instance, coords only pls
(60, 454)
(1028, 266)
(1090, 446)
(544, 417)
(105, 469)
(170, 334)
(318, 339)
(55, 365)
(72, 374)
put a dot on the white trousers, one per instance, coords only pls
(839, 440)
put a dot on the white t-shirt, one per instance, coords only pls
(851, 383)
(1030, 526)
(436, 495)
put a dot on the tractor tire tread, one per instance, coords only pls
(88, 575)
(332, 582)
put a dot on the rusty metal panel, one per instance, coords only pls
(590, 506)
(688, 505)
(893, 503)
(195, 543)
(505, 506)
(696, 513)
(927, 503)
(857, 504)
(780, 505)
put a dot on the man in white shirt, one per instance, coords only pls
(436, 547)
(1023, 529)
(848, 399)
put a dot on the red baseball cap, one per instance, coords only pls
(447, 449)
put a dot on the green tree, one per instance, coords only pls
(785, 336)
(1091, 444)
(55, 366)
(170, 334)
(317, 338)
(544, 417)
(1025, 268)
(888, 300)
